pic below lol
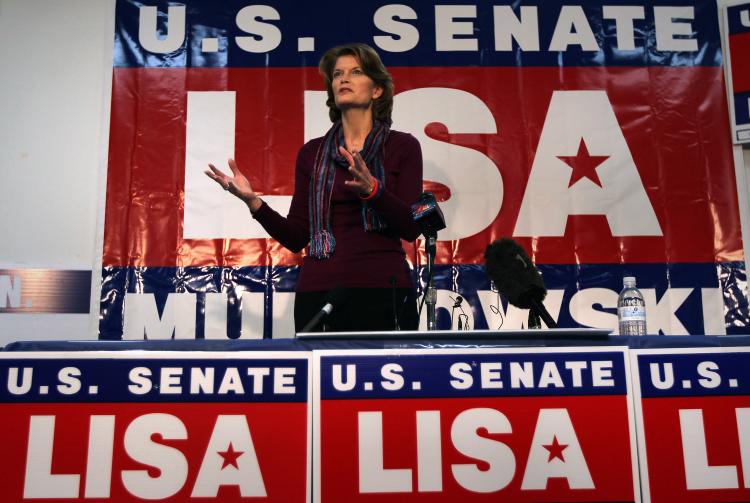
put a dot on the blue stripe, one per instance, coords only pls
(331, 24)
(473, 375)
(703, 374)
(148, 380)
(742, 108)
(466, 280)
(735, 15)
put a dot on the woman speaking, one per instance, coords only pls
(352, 202)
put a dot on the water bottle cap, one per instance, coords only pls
(628, 280)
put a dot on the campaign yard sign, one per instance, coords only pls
(736, 38)
(542, 425)
(693, 414)
(156, 426)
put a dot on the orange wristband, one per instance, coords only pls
(373, 192)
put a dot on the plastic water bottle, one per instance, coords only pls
(631, 309)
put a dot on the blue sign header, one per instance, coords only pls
(205, 34)
(694, 374)
(152, 380)
(433, 375)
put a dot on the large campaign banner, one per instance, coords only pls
(693, 413)
(546, 425)
(155, 426)
(594, 133)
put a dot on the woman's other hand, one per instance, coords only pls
(362, 180)
(237, 184)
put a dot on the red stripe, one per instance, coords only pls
(739, 50)
(678, 138)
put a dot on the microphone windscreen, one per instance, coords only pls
(427, 214)
(514, 274)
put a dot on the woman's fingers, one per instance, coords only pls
(359, 171)
(347, 156)
(357, 185)
(217, 176)
(360, 163)
(217, 171)
(357, 164)
(211, 174)
(358, 176)
(233, 166)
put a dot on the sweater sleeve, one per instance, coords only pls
(292, 231)
(394, 202)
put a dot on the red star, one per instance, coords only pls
(583, 164)
(230, 456)
(555, 450)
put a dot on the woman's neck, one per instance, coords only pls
(357, 124)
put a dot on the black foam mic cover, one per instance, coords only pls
(514, 274)
(427, 214)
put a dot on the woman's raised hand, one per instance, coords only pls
(362, 180)
(237, 184)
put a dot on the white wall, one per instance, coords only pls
(56, 61)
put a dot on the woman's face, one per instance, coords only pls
(351, 86)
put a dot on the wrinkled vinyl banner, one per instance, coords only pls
(596, 135)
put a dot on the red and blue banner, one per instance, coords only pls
(693, 413)
(595, 134)
(156, 426)
(550, 425)
(736, 16)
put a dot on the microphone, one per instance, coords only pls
(516, 277)
(457, 304)
(334, 298)
(392, 281)
(427, 214)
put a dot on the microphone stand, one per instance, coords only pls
(428, 216)
(396, 325)
(534, 321)
(538, 308)
(431, 292)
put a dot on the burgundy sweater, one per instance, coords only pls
(360, 259)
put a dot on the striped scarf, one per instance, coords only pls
(322, 242)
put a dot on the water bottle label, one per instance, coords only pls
(632, 313)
